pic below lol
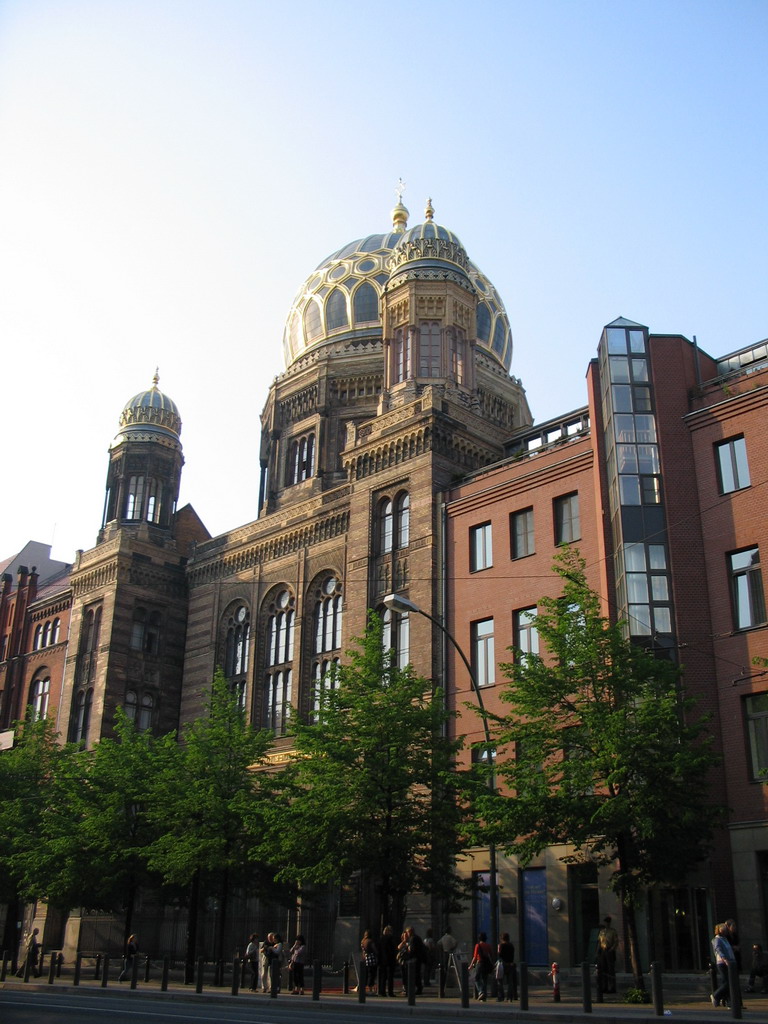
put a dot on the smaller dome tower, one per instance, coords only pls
(145, 461)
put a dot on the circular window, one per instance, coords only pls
(283, 599)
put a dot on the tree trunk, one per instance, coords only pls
(221, 924)
(628, 904)
(192, 919)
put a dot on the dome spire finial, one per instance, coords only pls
(429, 213)
(156, 378)
(399, 213)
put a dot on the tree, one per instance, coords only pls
(203, 799)
(26, 772)
(94, 831)
(371, 787)
(600, 749)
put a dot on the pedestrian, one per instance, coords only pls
(607, 944)
(370, 968)
(277, 959)
(387, 961)
(759, 969)
(723, 954)
(508, 980)
(733, 938)
(447, 946)
(265, 956)
(131, 949)
(252, 956)
(481, 961)
(31, 956)
(297, 957)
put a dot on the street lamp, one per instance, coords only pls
(400, 604)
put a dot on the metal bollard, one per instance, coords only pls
(236, 965)
(441, 980)
(345, 978)
(105, 971)
(362, 978)
(411, 976)
(4, 968)
(274, 978)
(147, 965)
(599, 982)
(656, 991)
(200, 975)
(465, 985)
(78, 968)
(134, 971)
(735, 990)
(317, 980)
(164, 979)
(555, 976)
(59, 964)
(52, 969)
(586, 988)
(97, 967)
(523, 985)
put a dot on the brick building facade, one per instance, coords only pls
(398, 455)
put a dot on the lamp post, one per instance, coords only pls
(398, 603)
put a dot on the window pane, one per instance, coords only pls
(619, 370)
(648, 458)
(634, 556)
(656, 556)
(662, 619)
(622, 398)
(639, 370)
(660, 588)
(637, 588)
(629, 487)
(640, 620)
(617, 340)
(636, 341)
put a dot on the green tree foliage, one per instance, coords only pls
(599, 750)
(203, 799)
(371, 786)
(93, 831)
(26, 772)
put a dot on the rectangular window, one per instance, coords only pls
(521, 533)
(480, 547)
(525, 635)
(732, 467)
(747, 588)
(483, 656)
(567, 521)
(756, 710)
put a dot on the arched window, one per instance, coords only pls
(78, 732)
(498, 337)
(397, 636)
(146, 708)
(429, 349)
(366, 304)
(37, 643)
(131, 705)
(483, 322)
(403, 519)
(402, 355)
(145, 630)
(279, 676)
(301, 461)
(46, 634)
(457, 352)
(41, 691)
(328, 612)
(55, 631)
(154, 494)
(135, 498)
(87, 655)
(385, 524)
(313, 326)
(236, 646)
(336, 310)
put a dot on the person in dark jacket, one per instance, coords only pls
(387, 961)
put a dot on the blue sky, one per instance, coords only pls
(172, 170)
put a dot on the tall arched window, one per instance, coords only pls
(81, 717)
(386, 519)
(457, 352)
(87, 655)
(336, 310)
(55, 631)
(429, 349)
(279, 675)
(46, 634)
(135, 498)
(403, 519)
(154, 494)
(145, 630)
(397, 636)
(402, 355)
(37, 643)
(41, 691)
(366, 304)
(301, 459)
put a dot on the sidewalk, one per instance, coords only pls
(691, 1006)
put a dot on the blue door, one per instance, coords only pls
(535, 946)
